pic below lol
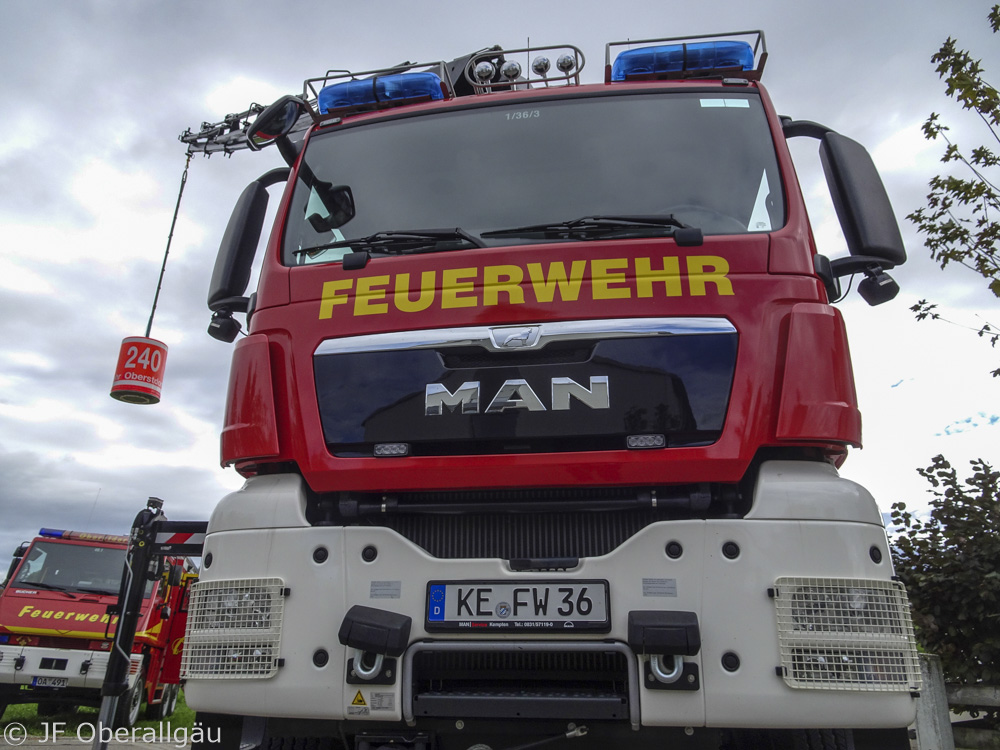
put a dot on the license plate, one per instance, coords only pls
(462, 606)
(50, 681)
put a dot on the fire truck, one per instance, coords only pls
(58, 617)
(540, 408)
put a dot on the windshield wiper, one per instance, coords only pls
(402, 241)
(45, 587)
(591, 227)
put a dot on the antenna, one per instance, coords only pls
(93, 508)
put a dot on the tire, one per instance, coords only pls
(824, 739)
(302, 743)
(752, 739)
(175, 691)
(792, 739)
(165, 708)
(127, 713)
(50, 708)
(54, 708)
(3, 707)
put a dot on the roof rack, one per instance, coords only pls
(228, 135)
(490, 70)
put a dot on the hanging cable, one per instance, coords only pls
(170, 237)
(844, 294)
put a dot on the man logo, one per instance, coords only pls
(516, 394)
(515, 337)
(516, 340)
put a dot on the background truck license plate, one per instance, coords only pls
(50, 681)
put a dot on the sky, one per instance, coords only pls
(95, 93)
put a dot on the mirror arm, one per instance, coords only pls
(857, 264)
(288, 149)
(232, 304)
(281, 174)
(824, 269)
(803, 128)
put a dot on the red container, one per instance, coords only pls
(139, 374)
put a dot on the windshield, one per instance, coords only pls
(706, 159)
(75, 568)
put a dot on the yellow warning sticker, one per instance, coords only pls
(359, 700)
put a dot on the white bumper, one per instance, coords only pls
(808, 539)
(57, 667)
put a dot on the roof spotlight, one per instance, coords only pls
(511, 70)
(566, 63)
(540, 65)
(485, 71)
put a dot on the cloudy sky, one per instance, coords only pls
(95, 92)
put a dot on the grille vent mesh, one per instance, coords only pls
(534, 535)
(233, 629)
(846, 634)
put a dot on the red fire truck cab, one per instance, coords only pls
(540, 413)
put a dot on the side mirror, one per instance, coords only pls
(275, 122)
(175, 574)
(236, 254)
(18, 554)
(338, 202)
(864, 211)
(238, 248)
(861, 202)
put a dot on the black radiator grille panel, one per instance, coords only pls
(591, 685)
(475, 667)
(507, 536)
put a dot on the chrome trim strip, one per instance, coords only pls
(487, 337)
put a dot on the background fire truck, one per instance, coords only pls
(58, 616)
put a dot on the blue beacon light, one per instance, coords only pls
(678, 58)
(395, 88)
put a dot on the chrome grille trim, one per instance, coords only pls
(486, 337)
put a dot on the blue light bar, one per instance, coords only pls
(83, 536)
(679, 58)
(397, 88)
